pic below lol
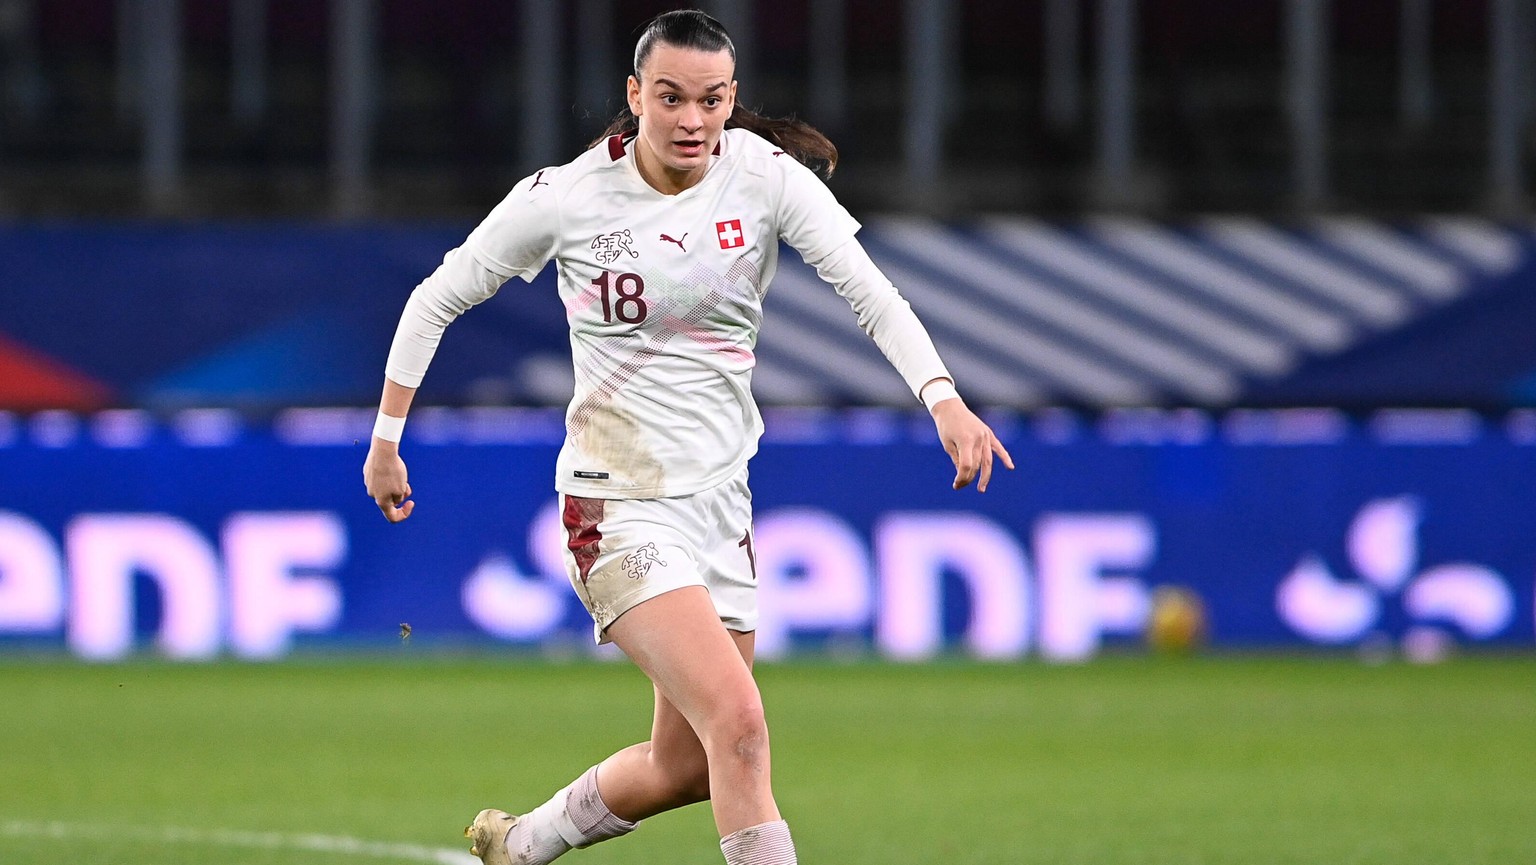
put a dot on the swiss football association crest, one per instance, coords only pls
(639, 562)
(612, 245)
(730, 234)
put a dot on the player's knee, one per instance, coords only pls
(742, 732)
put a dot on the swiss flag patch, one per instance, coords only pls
(730, 234)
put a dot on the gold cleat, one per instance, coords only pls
(488, 836)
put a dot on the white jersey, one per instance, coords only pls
(663, 294)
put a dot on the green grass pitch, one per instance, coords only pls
(1127, 760)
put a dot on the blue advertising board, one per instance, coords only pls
(203, 534)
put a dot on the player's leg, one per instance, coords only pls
(668, 771)
(637, 571)
(678, 640)
(609, 799)
(619, 554)
(701, 538)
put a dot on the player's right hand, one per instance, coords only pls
(385, 477)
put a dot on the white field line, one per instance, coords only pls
(340, 845)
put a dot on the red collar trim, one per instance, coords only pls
(616, 148)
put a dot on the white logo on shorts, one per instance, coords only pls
(638, 563)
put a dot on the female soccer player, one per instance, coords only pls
(666, 233)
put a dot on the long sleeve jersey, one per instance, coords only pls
(663, 295)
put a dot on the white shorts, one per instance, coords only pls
(620, 552)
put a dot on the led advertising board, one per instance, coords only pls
(202, 534)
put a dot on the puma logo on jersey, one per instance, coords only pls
(638, 563)
(678, 241)
(612, 245)
(778, 153)
(537, 181)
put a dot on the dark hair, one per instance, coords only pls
(690, 28)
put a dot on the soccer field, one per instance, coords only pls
(1123, 760)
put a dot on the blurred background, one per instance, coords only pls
(1247, 288)
(409, 108)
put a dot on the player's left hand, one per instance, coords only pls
(969, 442)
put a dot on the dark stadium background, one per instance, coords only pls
(1409, 94)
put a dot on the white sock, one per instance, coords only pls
(573, 817)
(763, 844)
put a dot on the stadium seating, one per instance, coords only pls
(1096, 313)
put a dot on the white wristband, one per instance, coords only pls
(389, 428)
(937, 391)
